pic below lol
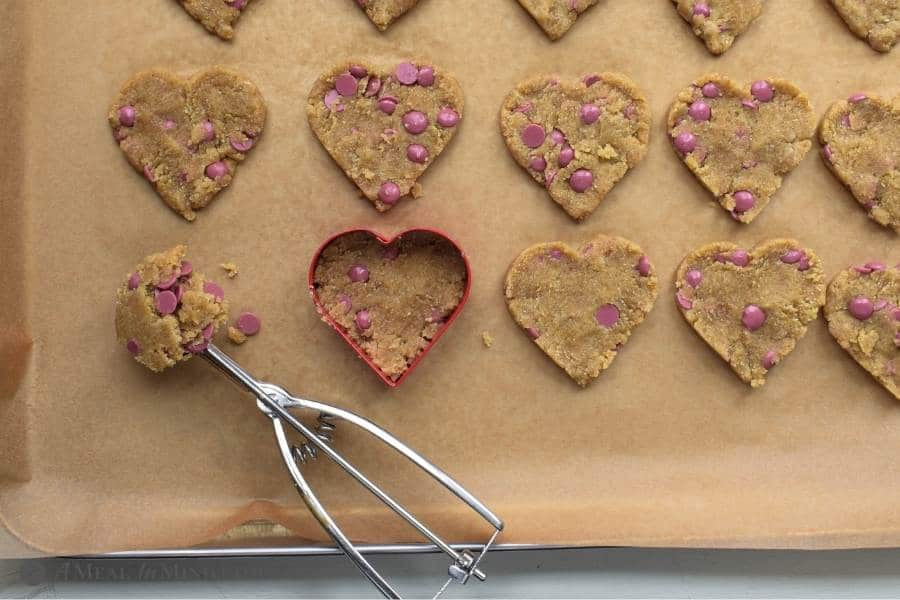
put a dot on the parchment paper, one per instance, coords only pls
(668, 447)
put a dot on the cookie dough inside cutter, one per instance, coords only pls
(276, 403)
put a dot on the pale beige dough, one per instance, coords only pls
(780, 277)
(726, 21)
(876, 21)
(556, 17)
(580, 305)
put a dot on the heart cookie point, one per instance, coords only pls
(383, 13)
(751, 306)
(187, 136)
(581, 305)
(863, 314)
(719, 22)
(741, 141)
(388, 127)
(576, 138)
(879, 25)
(556, 18)
(860, 139)
(217, 17)
(390, 300)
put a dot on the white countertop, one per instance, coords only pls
(608, 572)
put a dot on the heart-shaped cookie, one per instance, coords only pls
(876, 21)
(390, 299)
(751, 306)
(384, 12)
(580, 305)
(576, 138)
(719, 22)
(863, 314)
(860, 140)
(740, 142)
(217, 16)
(384, 127)
(187, 136)
(556, 17)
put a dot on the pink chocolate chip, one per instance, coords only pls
(693, 277)
(133, 347)
(581, 180)
(214, 289)
(346, 84)
(643, 266)
(358, 71)
(415, 122)
(134, 280)
(880, 304)
(417, 153)
(391, 252)
(557, 137)
(533, 332)
(861, 307)
(566, 155)
(769, 359)
(590, 113)
(607, 315)
(197, 348)
(237, 4)
(590, 80)
(828, 153)
(186, 268)
(683, 301)
(533, 135)
(248, 323)
(208, 332)
(700, 111)
(216, 170)
(711, 90)
(701, 9)
(749, 104)
(537, 163)
(762, 91)
(792, 257)
(165, 302)
(358, 274)
(127, 115)
(169, 125)
(740, 258)
(208, 130)
(753, 317)
(373, 86)
(345, 302)
(363, 320)
(387, 105)
(242, 145)
(743, 201)
(389, 192)
(685, 142)
(447, 117)
(857, 97)
(406, 73)
(426, 77)
(169, 281)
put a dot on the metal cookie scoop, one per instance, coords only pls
(275, 403)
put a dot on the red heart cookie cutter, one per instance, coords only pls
(386, 242)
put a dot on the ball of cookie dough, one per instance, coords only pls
(166, 312)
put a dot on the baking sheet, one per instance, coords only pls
(665, 448)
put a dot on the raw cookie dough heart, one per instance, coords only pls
(576, 138)
(719, 22)
(876, 21)
(861, 145)
(581, 305)
(863, 314)
(390, 299)
(556, 17)
(750, 307)
(187, 136)
(385, 127)
(741, 142)
(217, 16)
(384, 12)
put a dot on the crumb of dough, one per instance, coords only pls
(231, 269)
(236, 336)
(487, 339)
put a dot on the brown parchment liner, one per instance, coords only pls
(666, 448)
